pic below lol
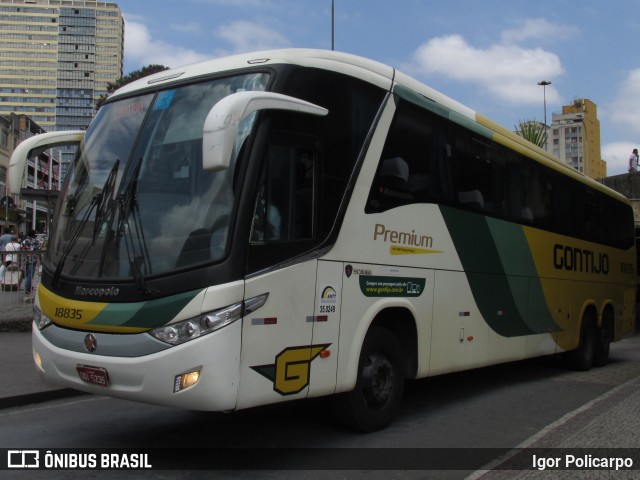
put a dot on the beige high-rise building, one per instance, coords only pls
(57, 57)
(575, 138)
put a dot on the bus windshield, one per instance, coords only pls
(137, 201)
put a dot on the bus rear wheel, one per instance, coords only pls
(375, 400)
(604, 338)
(583, 357)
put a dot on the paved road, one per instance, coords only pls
(595, 409)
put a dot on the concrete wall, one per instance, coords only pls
(627, 184)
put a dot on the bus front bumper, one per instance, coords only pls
(163, 377)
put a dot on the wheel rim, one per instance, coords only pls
(379, 379)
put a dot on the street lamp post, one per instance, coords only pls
(332, 25)
(544, 84)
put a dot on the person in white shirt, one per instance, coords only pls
(12, 246)
(633, 161)
(4, 239)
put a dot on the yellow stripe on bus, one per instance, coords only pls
(77, 314)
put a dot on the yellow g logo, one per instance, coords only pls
(290, 373)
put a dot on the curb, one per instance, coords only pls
(20, 324)
(38, 397)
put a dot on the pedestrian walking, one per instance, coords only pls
(29, 244)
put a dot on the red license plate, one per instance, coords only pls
(93, 375)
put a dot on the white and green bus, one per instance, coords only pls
(302, 223)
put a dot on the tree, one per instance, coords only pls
(130, 77)
(535, 132)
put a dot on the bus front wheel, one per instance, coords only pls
(375, 400)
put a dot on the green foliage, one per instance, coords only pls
(533, 131)
(130, 77)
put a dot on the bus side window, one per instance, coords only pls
(414, 165)
(284, 210)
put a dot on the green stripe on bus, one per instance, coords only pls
(518, 263)
(501, 273)
(149, 314)
(445, 112)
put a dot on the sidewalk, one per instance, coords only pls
(16, 307)
(21, 384)
(16, 312)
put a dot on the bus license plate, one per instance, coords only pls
(93, 375)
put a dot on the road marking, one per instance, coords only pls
(19, 410)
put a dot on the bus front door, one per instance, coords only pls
(277, 346)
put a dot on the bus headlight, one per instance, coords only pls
(40, 319)
(180, 332)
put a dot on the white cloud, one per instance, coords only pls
(141, 49)
(247, 36)
(617, 156)
(626, 106)
(191, 27)
(510, 72)
(538, 29)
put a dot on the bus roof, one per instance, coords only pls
(376, 73)
(368, 70)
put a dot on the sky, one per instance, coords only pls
(487, 54)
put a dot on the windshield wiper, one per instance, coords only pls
(127, 203)
(107, 192)
(96, 202)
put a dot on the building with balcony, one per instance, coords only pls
(5, 153)
(42, 175)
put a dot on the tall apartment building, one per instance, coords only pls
(575, 138)
(57, 57)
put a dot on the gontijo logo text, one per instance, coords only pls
(580, 260)
(404, 242)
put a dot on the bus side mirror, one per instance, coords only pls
(222, 122)
(34, 146)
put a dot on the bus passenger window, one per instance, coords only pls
(414, 165)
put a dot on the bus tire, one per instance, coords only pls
(604, 337)
(375, 400)
(582, 358)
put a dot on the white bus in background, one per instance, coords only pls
(303, 223)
